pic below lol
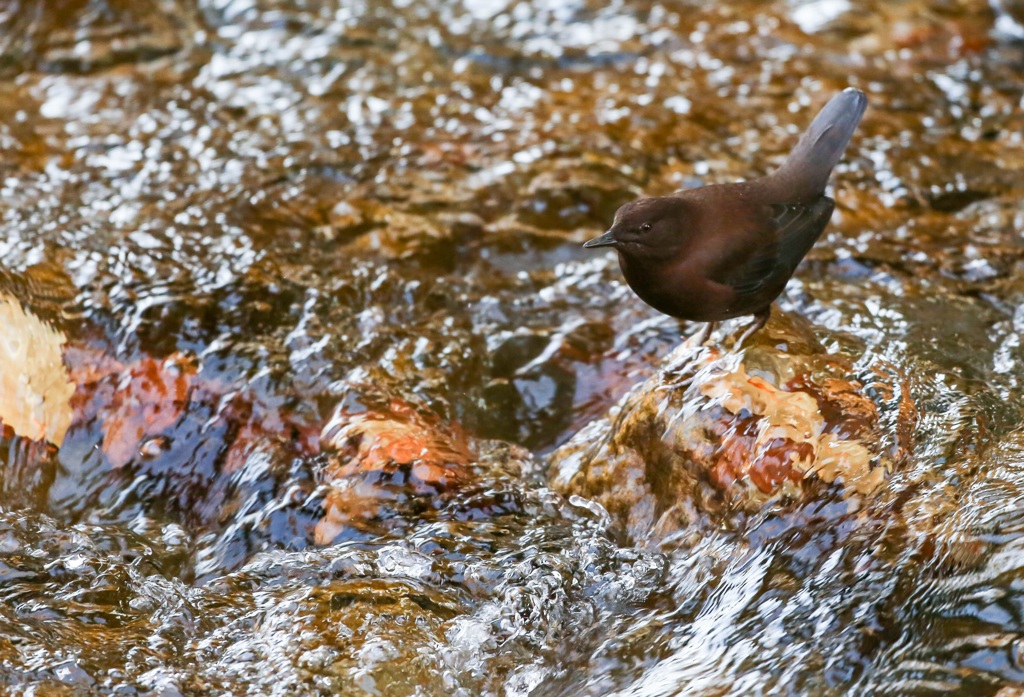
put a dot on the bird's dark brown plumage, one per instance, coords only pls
(727, 250)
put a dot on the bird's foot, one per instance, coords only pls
(760, 319)
(704, 334)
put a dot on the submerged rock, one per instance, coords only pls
(381, 460)
(720, 431)
(83, 36)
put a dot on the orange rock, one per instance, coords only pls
(792, 437)
(149, 398)
(388, 458)
(716, 433)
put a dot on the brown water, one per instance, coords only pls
(296, 245)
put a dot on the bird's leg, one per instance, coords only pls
(705, 333)
(760, 319)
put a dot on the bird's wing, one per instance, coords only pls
(790, 232)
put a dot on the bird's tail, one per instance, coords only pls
(805, 172)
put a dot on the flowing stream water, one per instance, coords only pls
(314, 269)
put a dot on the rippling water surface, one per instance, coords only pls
(315, 272)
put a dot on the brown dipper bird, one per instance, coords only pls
(726, 250)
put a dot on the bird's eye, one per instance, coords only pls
(646, 227)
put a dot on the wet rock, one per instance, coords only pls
(312, 208)
(934, 32)
(719, 432)
(147, 399)
(570, 194)
(399, 235)
(81, 35)
(150, 401)
(153, 426)
(379, 461)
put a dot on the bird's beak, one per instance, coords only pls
(605, 240)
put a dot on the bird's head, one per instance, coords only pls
(647, 227)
